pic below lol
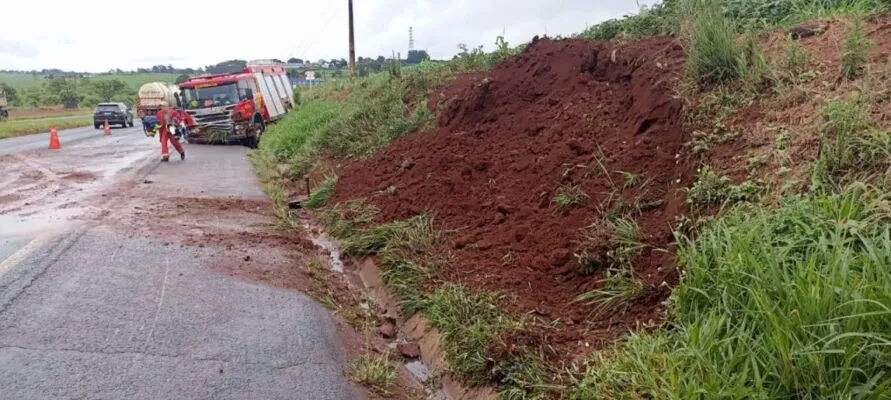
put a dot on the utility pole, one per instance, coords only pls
(352, 43)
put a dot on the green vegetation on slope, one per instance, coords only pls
(667, 17)
(783, 302)
(374, 114)
(786, 303)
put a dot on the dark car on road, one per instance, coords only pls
(114, 113)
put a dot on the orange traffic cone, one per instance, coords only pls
(107, 129)
(54, 139)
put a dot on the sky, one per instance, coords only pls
(98, 35)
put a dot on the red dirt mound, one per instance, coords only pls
(560, 114)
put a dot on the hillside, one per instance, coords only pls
(697, 214)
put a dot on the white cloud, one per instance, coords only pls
(98, 35)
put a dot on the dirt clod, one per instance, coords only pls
(387, 330)
(409, 350)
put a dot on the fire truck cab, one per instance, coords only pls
(237, 107)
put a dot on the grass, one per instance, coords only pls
(469, 323)
(611, 242)
(408, 249)
(21, 127)
(849, 141)
(712, 56)
(713, 189)
(854, 52)
(786, 303)
(409, 259)
(796, 63)
(323, 192)
(327, 126)
(47, 112)
(377, 372)
(619, 286)
(345, 219)
(618, 291)
(569, 196)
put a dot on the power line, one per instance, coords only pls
(306, 39)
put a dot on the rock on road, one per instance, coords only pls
(124, 278)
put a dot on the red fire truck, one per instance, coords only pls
(237, 107)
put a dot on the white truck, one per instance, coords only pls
(154, 95)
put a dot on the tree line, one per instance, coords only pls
(71, 92)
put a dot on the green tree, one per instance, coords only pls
(65, 90)
(32, 97)
(106, 89)
(11, 94)
(182, 78)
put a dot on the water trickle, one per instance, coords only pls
(333, 251)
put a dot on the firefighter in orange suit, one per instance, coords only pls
(169, 117)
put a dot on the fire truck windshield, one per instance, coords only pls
(214, 96)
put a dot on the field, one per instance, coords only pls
(40, 120)
(26, 126)
(21, 81)
(47, 112)
(691, 202)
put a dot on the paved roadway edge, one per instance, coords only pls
(23, 257)
(64, 141)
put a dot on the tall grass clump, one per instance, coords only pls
(378, 372)
(786, 303)
(469, 323)
(848, 141)
(854, 52)
(711, 57)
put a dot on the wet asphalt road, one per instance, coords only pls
(88, 312)
(67, 137)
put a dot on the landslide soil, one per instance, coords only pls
(507, 139)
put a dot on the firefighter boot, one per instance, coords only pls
(165, 159)
(182, 156)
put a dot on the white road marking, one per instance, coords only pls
(23, 252)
